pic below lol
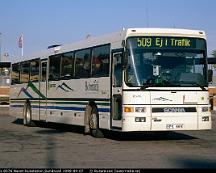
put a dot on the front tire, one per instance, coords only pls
(92, 120)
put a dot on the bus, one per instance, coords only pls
(5, 68)
(134, 80)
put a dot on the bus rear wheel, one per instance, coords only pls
(27, 116)
(94, 123)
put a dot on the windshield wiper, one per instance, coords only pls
(144, 87)
(180, 83)
(193, 83)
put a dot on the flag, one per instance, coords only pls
(20, 42)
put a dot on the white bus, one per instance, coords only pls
(138, 79)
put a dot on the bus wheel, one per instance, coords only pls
(27, 116)
(94, 123)
(86, 119)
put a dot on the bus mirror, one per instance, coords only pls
(210, 75)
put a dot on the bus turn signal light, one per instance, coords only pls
(128, 109)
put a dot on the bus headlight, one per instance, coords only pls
(134, 109)
(128, 109)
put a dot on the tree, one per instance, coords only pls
(214, 53)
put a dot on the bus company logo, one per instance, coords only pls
(65, 87)
(174, 110)
(162, 99)
(91, 86)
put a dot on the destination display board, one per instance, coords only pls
(167, 43)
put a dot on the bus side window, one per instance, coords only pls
(67, 66)
(25, 69)
(54, 68)
(82, 63)
(100, 61)
(44, 72)
(15, 74)
(34, 71)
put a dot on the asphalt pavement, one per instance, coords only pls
(51, 146)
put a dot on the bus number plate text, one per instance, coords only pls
(174, 126)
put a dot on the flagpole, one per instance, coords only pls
(22, 44)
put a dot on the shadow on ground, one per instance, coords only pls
(48, 128)
(195, 163)
(52, 128)
(147, 136)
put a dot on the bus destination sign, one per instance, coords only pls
(165, 42)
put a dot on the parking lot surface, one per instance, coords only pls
(48, 146)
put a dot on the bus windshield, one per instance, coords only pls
(166, 62)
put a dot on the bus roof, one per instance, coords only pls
(114, 38)
(166, 32)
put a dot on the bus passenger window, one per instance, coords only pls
(54, 67)
(25, 70)
(44, 71)
(82, 64)
(100, 61)
(34, 72)
(67, 66)
(15, 74)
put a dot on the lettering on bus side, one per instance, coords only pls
(174, 110)
(91, 86)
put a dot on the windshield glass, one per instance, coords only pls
(166, 61)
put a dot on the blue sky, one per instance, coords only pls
(47, 22)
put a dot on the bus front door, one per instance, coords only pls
(116, 121)
(43, 89)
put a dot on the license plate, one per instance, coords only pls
(174, 126)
